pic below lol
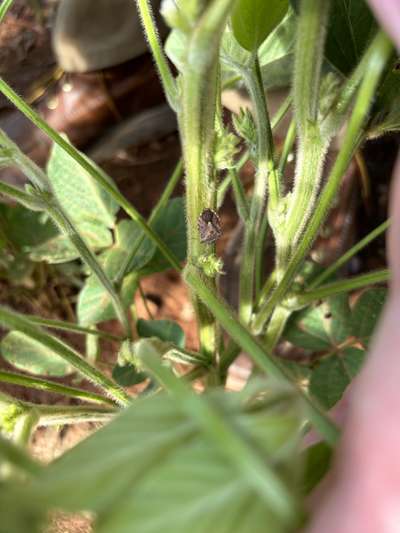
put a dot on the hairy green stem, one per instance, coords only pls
(16, 321)
(308, 175)
(379, 54)
(309, 54)
(242, 205)
(50, 386)
(263, 359)
(153, 38)
(266, 179)
(196, 120)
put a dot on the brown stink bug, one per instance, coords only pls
(209, 225)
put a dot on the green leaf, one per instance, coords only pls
(332, 327)
(318, 459)
(171, 228)
(81, 197)
(29, 355)
(151, 469)
(366, 313)
(126, 234)
(332, 376)
(351, 27)
(340, 324)
(128, 375)
(59, 249)
(176, 47)
(280, 43)
(320, 327)
(254, 20)
(166, 330)
(94, 303)
(276, 54)
(25, 228)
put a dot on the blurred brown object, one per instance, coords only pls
(83, 105)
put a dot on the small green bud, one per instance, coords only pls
(225, 150)
(245, 127)
(211, 265)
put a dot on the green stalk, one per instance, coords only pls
(67, 326)
(275, 327)
(345, 285)
(97, 174)
(4, 7)
(349, 254)
(260, 252)
(242, 205)
(68, 229)
(43, 384)
(266, 179)
(263, 359)
(309, 53)
(23, 198)
(196, 119)
(157, 210)
(309, 166)
(281, 112)
(56, 415)
(379, 54)
(15, 321)
(238, 451)
(153, 38)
